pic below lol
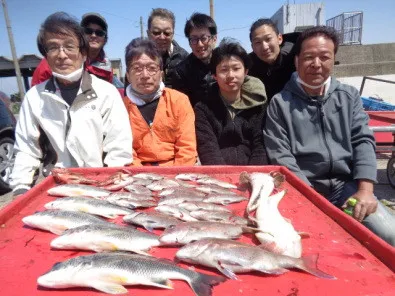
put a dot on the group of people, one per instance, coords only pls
(215, 106)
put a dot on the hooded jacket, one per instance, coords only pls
(325, 142)
(275, 76)
(223, 140)
(177, 56)
(93, 132)
(170, 140)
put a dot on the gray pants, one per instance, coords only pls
(381, 222)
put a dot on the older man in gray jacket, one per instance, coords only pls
(317, 128)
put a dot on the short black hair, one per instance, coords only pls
(200, 20)
(161, 13)
(61, 23)
(226, 49)
(263, 22)
(325, 31)
(139, 46)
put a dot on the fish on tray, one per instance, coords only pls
(214, 189)
(65, 176)
(130, 203)
(224, 199)
(88, 205)
(101, 238)
(110, 272)
(187, 232)
(176, 200)
(215, 216)
(213, 181)
(200, 205)
(148, 176)
(230, 257)
(119, 184)
(162, 184)
(191, 176)
(151, 220)
(139, 189)
(176, 212)
(57, 221)
(78, 190)
(180, 191)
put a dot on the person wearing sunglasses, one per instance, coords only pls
(162, 119)
(193, 76)
(95, 29)
(74, 119)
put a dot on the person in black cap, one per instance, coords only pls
(95, 29)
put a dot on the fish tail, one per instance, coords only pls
(202, 283)
(309, 264)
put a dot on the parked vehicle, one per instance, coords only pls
(7, 140)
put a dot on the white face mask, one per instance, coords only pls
(313, 86)
(72, 77)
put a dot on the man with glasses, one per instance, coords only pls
(74, 119)
(95, 28)
(162, 119)
(193, 76)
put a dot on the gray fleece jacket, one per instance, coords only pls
(325, 142)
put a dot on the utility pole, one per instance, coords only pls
(141, 27)
(212, 9)
(13, 51)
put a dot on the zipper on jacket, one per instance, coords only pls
(322, 115)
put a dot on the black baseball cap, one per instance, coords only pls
(93, 17)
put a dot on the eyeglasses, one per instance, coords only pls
(54, 50)
(204, 39)
(98, 33)
(152, 69)
(158, 33)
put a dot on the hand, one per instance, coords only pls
(366, 204)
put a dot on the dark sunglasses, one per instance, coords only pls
(99, 33)
(158, 33)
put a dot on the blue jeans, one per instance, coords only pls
(381, 222)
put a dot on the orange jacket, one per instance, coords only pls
(171, 139)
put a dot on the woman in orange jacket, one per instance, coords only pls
(162, 119)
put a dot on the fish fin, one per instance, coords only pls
(276, 271)
(304, 234)
(140, 252)
(309, 264)
(104, 246)
(149, 228)
(226, 271)
(202, 283)
(58, 229)
(110, 288)
(163, 283)
(247, 229)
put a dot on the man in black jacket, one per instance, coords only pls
(272, 56)
(193, 76)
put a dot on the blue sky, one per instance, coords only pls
(233, 18)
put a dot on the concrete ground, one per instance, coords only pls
(382, 190)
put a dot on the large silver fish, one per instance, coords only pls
(88, 205)
(57, 221)
(176, 200)
(187, 232)
(110, 272)
(180, 191)
(231, 257)
(199, 205)
(215, 216)
(213, 181)
(78, 190)
(191, 176)
(214, 189)
(148, 176)
(162, 184)
(224, 199)
(119, 184)
(100, 238)
(131, 203)
(174, 211)
(139, 189)
(277, 233)
(151, 220)
(131, 196)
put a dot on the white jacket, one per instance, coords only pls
(93, 132)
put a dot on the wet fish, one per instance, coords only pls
(231, 257)
(88, 205)
(139, 189)
(213, 181)
(180, 191)
(131, 196)
(174, 211)
(214, 216)
(143, 182)
(119, 184)
(148, 176)
(191, 176)
(199, 205)
(57, 221)
(162, 184)
(187, 232)
(176, 200)
(151, 220)
(224, 199)
(277, 233)
(131, 204)
(214, 189)
(116, 177)
(100, 238)
(78, 190)
(109, 272)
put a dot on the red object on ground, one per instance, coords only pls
(358, 262)
(382, 118)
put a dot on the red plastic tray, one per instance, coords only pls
(363, 263)
(382, 118)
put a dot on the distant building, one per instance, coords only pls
(116, 65)
(298, 17)
(348, 26)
